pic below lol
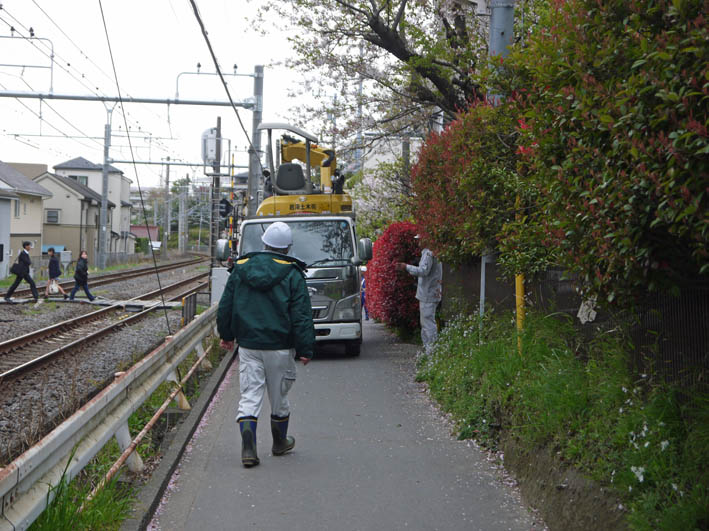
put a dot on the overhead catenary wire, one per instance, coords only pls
(69, 65)
(221, 76)
(135, 167)
(47, 121)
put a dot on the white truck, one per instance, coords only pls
(324, 236)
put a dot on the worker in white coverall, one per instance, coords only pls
(266, 309)
(428, 292)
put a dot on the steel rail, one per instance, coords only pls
(13, 344)
(109, 278)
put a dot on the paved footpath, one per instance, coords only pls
(371, 453)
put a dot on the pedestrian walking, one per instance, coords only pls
(266, 309)
(21, 270)
(428, 292)
(54, 273)
(81, 276)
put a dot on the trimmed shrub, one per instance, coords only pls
(465, 182)
(391, 294)
(614, 96)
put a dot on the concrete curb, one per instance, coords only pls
(151, 493)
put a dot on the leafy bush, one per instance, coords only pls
(644, 440)
(465, 182)
(142, 245)
(614, 96)
(391, 294)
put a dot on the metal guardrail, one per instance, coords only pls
(24, 483)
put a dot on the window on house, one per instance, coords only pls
(52, 216)
(81, 179)
(17, 208)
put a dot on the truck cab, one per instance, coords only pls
(322, 220)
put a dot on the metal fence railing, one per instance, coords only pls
(63, 453)
(669, 331)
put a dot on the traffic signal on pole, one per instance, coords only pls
(225, 208)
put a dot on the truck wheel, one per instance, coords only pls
(353, 348)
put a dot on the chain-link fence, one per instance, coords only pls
(669, 332)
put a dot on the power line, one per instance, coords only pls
(221, 76)
(135, 167)
(43, 52)
(70, 65)
(63, 118)
(47, 121)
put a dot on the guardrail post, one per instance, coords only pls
(182, 402)
(134, 461)
(206, 365)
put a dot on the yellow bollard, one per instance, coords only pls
(519, 303)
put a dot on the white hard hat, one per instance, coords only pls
(278, 235)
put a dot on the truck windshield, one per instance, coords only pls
(315, 242)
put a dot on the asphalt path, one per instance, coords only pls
(371, 453)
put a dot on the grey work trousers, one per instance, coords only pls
(261, 371)
(429, 329)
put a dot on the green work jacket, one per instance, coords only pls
(266, 305)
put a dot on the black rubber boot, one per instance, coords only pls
(282, 442)
(249, 456)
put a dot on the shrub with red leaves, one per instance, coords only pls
(391, 294)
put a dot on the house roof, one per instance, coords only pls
(126, 204)
(87, 192)
(80, 163)
(21, 184)
(6, 192)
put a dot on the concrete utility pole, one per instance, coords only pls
(181, 225)
(103, 230)
(502, 14)
(214, 203)
(166, 213)
(255, 148)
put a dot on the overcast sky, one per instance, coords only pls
(152, 41)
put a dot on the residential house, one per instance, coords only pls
(71, 216)
(142, 231)
(7, 196)
(26, 219)
(91, 175)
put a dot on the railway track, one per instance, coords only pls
(22, 353)
(109, 278)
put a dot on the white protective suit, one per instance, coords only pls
(272, 369)
(428, 292)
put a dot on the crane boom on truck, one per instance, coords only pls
(322, 220)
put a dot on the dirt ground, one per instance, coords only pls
(564, 498)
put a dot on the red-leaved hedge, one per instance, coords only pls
(391, 294)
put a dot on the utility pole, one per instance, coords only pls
(214, 203)
(181, 225)
(501, 32)
(103, 231)
(406, 155)
(255, 148)
(359, 150)
(166, 212)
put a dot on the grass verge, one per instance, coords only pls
(113, 503)
(645, 440)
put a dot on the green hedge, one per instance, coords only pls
(602, 136)
(614, 99)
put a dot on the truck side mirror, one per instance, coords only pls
(364, 249)
(222, 252)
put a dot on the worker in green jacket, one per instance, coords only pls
(266, 308)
